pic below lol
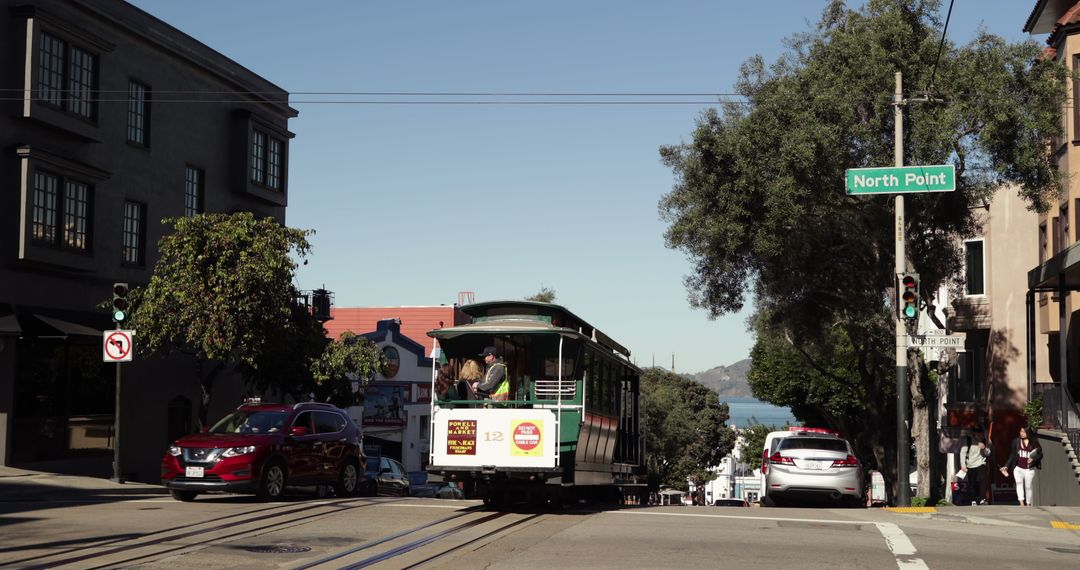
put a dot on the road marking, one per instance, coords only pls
(900, 546)
(428, 506)
(912, 509)
(1064, 525)
(898, 542)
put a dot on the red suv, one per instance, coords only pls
(259, 448)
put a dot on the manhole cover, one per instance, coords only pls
(1063, 550)
(278, 549)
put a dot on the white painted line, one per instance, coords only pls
(429, 506)
(900, 546)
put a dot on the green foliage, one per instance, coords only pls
(753, 443)
(223, 292)
(759, 206)
(1033, 411)
(351, 357)
(685, 432)
(223, 283)
(545, 295)
(918, 501)
(943, 503)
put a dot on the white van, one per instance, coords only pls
(771, 441)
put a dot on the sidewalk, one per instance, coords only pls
(26, 485)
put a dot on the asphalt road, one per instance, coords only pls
(142, 528)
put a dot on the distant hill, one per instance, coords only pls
(727, 381)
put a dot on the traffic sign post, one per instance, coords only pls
(901, 179)
(117, 346)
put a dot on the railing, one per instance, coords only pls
(1064, 418)
(551, 389)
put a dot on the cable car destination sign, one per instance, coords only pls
(897, 179)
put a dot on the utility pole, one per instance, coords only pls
(903, 445)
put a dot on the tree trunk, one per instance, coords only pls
(920, 421)
(206, 387)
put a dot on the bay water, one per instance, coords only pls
(746, 411)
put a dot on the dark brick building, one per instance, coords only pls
(111, 120)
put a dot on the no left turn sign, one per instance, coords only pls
(117, 346)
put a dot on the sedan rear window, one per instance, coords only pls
(813, 443)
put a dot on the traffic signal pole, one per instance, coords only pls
(116, 428)
(903, 445)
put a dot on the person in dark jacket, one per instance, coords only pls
(973, 464)
(1026, 457)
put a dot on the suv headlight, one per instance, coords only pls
(238, 451)
(174, 450)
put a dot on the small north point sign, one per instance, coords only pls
(899, 179)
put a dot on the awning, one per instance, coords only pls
(1062, 270)
(51, 323)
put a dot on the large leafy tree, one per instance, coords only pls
(685, 431)
(222, 291)
(759, 204)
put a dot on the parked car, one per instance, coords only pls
(731, 503)
(261, 448)
(814, 466)
(386, 476)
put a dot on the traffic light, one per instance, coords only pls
(119, 302)
(908, 293)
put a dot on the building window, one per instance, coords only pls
(258, 157)
(133, 233)
(60, 212)
(973, 276)
(1064, 216)
(76, 215)
(193, 191)
(273, 165)
(138, 114)
(267, 160)
(1042, 244)
(67, 76)
(966, 378)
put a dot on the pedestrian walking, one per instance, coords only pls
(973, 464)
(1025, 459)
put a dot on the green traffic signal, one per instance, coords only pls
(909, 296)
(120, 302)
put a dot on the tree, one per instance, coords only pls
(223, 292)
(685, 433)
(753, 442)
(759, 206)
(545, 295)
(351, 357)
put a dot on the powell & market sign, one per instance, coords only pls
(897, 179)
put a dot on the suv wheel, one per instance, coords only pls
(348, 480)
(185, 496)
(272, 482)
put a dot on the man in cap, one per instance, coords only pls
(495, 384)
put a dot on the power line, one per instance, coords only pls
(933, 72)
(424, 93)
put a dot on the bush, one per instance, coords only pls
(918, 501)
(1033, 410)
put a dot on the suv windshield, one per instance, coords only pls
(813, 443)
(251, 421)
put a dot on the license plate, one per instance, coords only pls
(193, 471)
(811, 464)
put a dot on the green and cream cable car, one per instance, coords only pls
(571, 426)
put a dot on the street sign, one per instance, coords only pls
(116, 346)
(937, 340)
(901, 179)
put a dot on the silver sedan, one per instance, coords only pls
(814, 466)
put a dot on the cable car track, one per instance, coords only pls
(139, 545)
(422, 541)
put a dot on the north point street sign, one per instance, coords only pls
(898, 179)
(936, 341)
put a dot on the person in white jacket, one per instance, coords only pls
(973, 464)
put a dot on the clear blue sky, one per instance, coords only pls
(413, 203)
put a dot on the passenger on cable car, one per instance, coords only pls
(496, 385)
